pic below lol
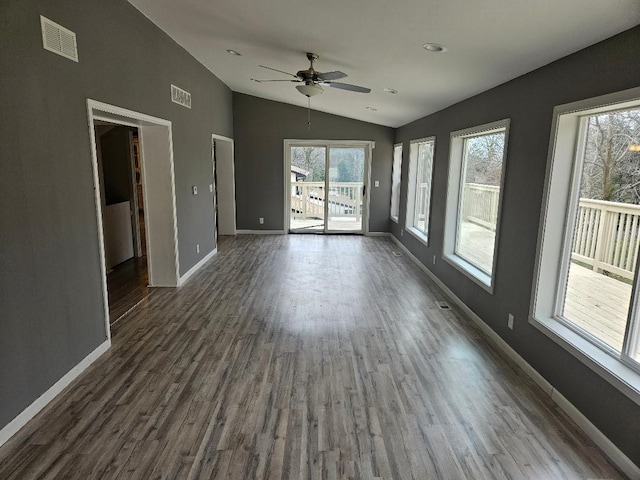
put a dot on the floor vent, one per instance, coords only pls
(181, 97)
(58, 39)
(397, 254)
(442, 305)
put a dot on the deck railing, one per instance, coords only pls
(607, 234)
(344, 199)
(481, 204)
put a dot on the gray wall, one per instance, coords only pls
(529, 101)
(260, 127)
(51, 307)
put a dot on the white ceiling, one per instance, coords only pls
(378, 43)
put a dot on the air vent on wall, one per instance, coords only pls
(181, 97)
(58, 39)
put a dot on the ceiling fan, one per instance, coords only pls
(314, 81)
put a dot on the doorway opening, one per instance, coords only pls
(224, 182)
(142, 202)
(123, 220)
(326, 186)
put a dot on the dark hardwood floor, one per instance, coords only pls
(301, 357)
(127, 285)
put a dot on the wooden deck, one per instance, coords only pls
(598, 303)
(339, 224)
(595, 302)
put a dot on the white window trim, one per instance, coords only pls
(396, 218)
(550, 254)
(456, 159)
(411, 191)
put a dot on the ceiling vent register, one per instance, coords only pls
(58, 39)
(181, 97)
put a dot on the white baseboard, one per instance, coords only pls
(378, 234)
(32, 410)
(183, 279)
(623, 462)
(608, 447)
(260, 232)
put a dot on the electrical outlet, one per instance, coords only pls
(510, 321)
(434, 259)
(261, 220)
(197, 248)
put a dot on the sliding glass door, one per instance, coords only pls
(307, 179)
(346, 189)
(326, 187)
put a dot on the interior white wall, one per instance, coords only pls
(160, 206)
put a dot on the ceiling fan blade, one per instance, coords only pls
(337, 75)
(263, 81)
(351, 88)
(279, 71)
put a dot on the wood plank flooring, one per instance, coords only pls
(127, 285)
(295, 357)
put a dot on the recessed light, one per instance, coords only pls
(393, 91)
(373, 109)
(233, 52)
(434, 47)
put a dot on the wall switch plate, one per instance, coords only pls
(510, 321)
(434, 259)
(194, 190)
(261, 220)
(197, 248)
(401, 232)
(376, 183)
(211, 187)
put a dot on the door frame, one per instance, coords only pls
(135, 206)
(158, 186)
(226, 188)
(368, 151)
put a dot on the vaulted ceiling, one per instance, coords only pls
(378, 43)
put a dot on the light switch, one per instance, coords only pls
(194, 190)
(376, 183)
(211, 187)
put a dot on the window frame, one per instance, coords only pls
(412, 184)
(398, 186)
(457, 160)
(555, 240)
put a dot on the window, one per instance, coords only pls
(586, 292)
(396, 177)
(419, 193)
(476, 170)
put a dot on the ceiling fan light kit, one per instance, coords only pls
(314, 80)
(310, 90)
